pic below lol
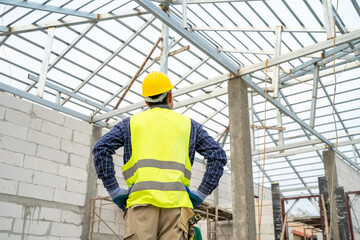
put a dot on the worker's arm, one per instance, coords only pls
(103, 160)
(215, 155)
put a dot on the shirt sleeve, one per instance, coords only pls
(103, 151)
(206, 146)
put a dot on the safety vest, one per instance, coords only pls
(159, 167)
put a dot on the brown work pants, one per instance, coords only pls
(147, 222)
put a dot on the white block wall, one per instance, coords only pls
(44, 156)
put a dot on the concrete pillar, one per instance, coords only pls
(343, 218)
(276, 205)
(91, 190)
(244, 225)
(323, 190)
(329, 159)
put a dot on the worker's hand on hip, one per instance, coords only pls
(120, 196)
(196, 197)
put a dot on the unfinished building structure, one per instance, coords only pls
(276, 82)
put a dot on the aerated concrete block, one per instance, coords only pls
(43, 139)
(81, 138)
(35, 191)
(48, 214)
(72, 172)
(16, 173)
(6, 224)
(78, 125)
(10, 101)
(65, 230)
(76, 148)
(48, 114)
(11, 158)
(13, 130)
(49, 180)
(69, 197)
(17, 145)
(52, 154)
(8, 186)
(37, 227)
(11, 210)
(2, 112)
(71, 217)
(8, 236)
(17, 117)
(73, 185)
(56, 130)
(40, 164)
(78, 161)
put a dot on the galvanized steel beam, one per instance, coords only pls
(266, 29)
(45, 63)
(314, 96)
(192, 37)
(346, 38)
(69, 22)
(49, 8)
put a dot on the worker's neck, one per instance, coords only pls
(160, 106)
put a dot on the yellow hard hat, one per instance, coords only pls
(156, 83)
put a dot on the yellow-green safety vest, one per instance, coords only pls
(159, 167)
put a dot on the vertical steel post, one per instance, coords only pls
(328, 18)
(184, 13)
(314, 96)
(251, 119)
(45, 63)
(276, 81)
(164, 49)
(354, 151)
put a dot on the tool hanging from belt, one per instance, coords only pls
(188, 218)
(192, 221)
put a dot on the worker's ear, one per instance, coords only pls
(170, 100)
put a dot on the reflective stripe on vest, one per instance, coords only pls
(157, 164)
(159, 168)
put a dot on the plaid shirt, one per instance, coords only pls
(119, 136)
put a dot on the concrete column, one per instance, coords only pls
(276, 205)
(244, 225)
(343, 218)
(323, 190)
(329, 159)
(91, 190)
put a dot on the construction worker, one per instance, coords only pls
(159, 150)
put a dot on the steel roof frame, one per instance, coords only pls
(322, 54)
